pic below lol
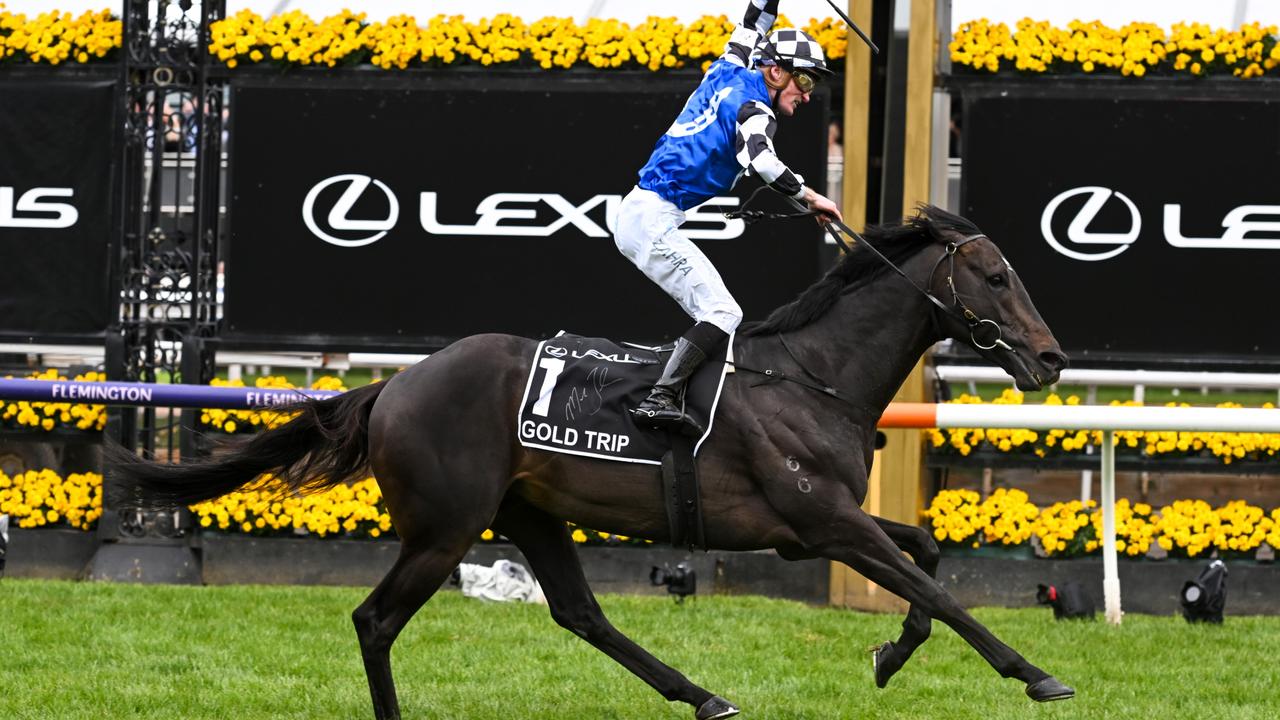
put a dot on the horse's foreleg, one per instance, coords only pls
(917, 543)
(546, 544)
(866, 548)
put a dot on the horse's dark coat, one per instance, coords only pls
(440, 438)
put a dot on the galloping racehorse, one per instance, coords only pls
(441, 439)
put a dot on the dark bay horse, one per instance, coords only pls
(441, 439)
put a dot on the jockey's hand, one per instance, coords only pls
(827, 210)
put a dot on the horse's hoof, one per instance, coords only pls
(881, 667)
(716, 707)
(1049, 689)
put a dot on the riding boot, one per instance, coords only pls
(662, 409)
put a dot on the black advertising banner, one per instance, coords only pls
(445, 207)
(1143, 226)
(56, 150)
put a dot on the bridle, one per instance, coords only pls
(965, 313)
(958, 310)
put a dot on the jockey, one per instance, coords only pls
(725, 130)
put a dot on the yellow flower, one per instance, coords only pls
(549, 43)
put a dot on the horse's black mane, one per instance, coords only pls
(896, 242)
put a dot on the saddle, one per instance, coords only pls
(577, 400)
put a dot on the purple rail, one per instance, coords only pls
(151, 395)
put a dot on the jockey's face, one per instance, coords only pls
(790, 97)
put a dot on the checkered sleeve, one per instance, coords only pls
(756, 125)
(755, 25)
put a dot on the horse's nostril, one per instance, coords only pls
(1055, 361)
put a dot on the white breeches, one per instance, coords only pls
(648, 234)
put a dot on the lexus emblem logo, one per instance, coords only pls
(338, 218)
(555, 351)
(1108, 245)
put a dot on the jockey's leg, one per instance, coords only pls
(663, 408)
(648, 234)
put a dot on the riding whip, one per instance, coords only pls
(855, 27)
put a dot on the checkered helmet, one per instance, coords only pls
(793, 49)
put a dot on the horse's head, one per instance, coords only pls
(990, 309)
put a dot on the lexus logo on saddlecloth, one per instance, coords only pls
(366, 231)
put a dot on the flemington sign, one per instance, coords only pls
(152, 395)
(1144, 226)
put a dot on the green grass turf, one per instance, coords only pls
(74, 650)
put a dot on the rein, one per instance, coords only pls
(958, 310)
(818, 384)
(835, 227)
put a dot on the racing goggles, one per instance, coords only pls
(805, 81)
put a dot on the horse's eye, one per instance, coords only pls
(996, 280)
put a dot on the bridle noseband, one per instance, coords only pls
(967, 315)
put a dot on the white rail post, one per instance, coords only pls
(1110, 572)
(1086, 476)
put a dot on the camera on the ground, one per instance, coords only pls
(681, 582)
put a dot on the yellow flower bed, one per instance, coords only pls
(57, 37)
(1191, 527)
(1187, 528)
(1135, 50)
(49, 416)
(44, 499)
(247, 421)
(353, 510)
(1227, 447)
(402, 42)
(1061, 527)
(294, 38)
(962, 517)
(41, 498)
(1075, 528)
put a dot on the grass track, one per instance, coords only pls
(74, 650)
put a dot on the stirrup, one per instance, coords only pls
(673, 420)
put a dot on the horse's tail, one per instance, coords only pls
(325, 444)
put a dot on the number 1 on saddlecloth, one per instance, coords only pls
(553, 366)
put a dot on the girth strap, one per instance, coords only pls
(682, 495)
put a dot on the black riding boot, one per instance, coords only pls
(662, 409)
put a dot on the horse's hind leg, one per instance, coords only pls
(438, 521)
(417, 574)
(917, 543)
(864, 546)
(546, 544)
